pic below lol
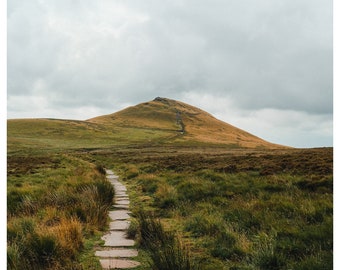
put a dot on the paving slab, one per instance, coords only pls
(119, 225)
(118, 264)
(112, 177)
(119, 214)
(121, 206)
(119, 192)
(120, 188)
(118, 184)
(122, 201)
(117, 253)
(122, 196)
(117, 239)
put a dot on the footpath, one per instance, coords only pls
(118, 251)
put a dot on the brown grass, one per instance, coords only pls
(199, 125)
(69, 235)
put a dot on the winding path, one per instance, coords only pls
(118, 250)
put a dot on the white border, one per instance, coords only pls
(336, 133)
(3, 132)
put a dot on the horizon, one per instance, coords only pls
(133, 105)
(269, 71)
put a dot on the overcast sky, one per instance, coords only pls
(264, 66)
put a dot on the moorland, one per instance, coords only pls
(204, 193)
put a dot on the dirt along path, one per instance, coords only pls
(118, 250)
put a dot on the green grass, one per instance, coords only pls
(242, 220)
(164, 247)
(86, 258)
(151, 123)
(55, 135)
(54, 208)
(228, 207)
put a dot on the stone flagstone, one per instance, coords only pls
(125, 202)
(114, 253)
(121, 193)
(119, 214)
(117, 239)
(118, 264)
(125, 197)
(122, 198)
(119, 225)
(121, 206)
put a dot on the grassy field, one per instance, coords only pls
(164, 122)
(230, 209)
(56, 206)
(239, 209)
(232, 201)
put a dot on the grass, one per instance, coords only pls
(54, 135)
(243, 219)
(230, 210)
(215, 205)
(151, 123)
(52, 210)
(164, 247)
(86, 258)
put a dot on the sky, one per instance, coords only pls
(264, 66)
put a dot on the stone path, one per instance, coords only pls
(118, 250)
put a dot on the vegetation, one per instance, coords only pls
(255, 219)
(164, 248)
(206, 203)
(149, 123)
(53, 205)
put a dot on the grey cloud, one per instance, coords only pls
(268, 54)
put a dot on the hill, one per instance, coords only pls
(160, 121)
(185, 122)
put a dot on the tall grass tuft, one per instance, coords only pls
(48, 221)
(13, 257)
(100, 168)
(94, 207)
(266, 256)
(164, 248)
(166, 196)
(34, 246)
(69, 235)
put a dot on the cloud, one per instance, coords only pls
(287, 127)
(102, 54)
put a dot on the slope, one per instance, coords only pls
(183, 123)
(160, 121)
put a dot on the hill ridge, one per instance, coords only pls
(189, 122)
(161, 121)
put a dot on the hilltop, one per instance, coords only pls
(185, 123)
(160, 121)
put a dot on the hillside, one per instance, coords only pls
(160, 121)
(184, 122)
